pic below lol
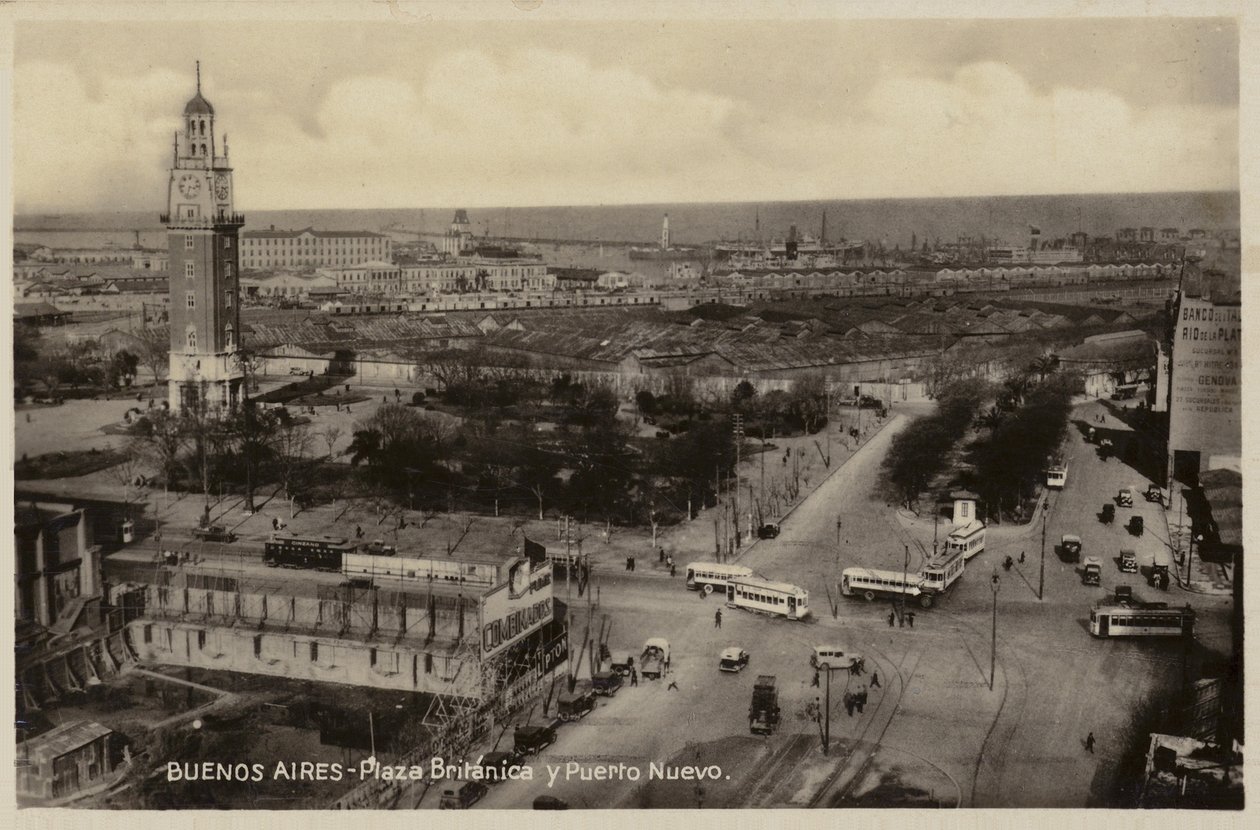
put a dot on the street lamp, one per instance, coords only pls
(993, 643)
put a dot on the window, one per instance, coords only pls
(189, 270)
(314, 652)
(227, 298)
(228, 335)
(227, 242)
(192, 341)
(192, 299)
(148, 633)
(188, 242)
(227, 270)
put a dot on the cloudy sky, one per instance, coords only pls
(360, 114)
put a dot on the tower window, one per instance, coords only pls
(192, 340)
(189, 269)
(192, 299)
(229, 335)
(188, 242)
(227, 270)
(227, 298)
(227, 242)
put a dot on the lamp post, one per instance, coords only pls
(1041, 579)
(993, 643)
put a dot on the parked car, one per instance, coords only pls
(768, 531)
(576, 704)
(1136, 525)
(531, 739)
(1071, 546)
(496, 765)
(623, 665)
(1128, 561)
(1108, 514)
(606, 682)
(1092, 574)
(732, 659)
(460, 795)
(214, 533)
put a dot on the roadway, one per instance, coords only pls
(934, 719)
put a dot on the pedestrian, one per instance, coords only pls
(848, 703)
(669, 560)
(634, 677)
(628, 563)
(275, 523)
(892, 615)
(910, 619)
(672, 685)
(28, 417)
(1021, 557)
(347, 389)
(853, 668)
(671, 569)
(717, 618)
(901, 621)
(1089, 743)
(661, 556)
(358, 531)
(814, 682)
(875, 680)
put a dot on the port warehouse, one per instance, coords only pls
(877, 341)
(93, 288)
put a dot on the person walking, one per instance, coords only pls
(673, 684)
(910, 619)
(634, 676)
(892, 616)
(1021, 557)
(717, 618)
(875, 679)
(1089, 743)
(671, 568)
(661, 556)
(814, 682)
(628, 563)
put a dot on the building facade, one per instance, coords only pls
(312, 248)
(203, 237)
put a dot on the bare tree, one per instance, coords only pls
(292, 443)
(330, 435)
(155, 347)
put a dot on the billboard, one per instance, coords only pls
(1206, 408)
(513, 610)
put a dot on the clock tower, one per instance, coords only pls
(202, 232)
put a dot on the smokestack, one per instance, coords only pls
(665, 233)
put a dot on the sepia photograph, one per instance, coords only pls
(734, 409)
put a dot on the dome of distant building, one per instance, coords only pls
(198, 105)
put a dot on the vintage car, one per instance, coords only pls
(732, 659)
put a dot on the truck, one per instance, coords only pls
(655, 658)
(763, 714)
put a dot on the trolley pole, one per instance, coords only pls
(993, 642)
(1041, 579)
(905, 572)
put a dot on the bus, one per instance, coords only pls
(1056, 477)
(766, 597)
(713, 576)
(924, 586)
(1140, 619)
(321, 553)
(967, 540)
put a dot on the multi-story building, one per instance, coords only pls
(458, 237)
(464, 275)
(1169, 234)
(375, 277)
(312, 248)
(203, 237)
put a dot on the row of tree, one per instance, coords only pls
(920, 451)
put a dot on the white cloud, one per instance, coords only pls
(534, 126)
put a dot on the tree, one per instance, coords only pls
(161, 441)
(646, 402)
(809, 402)
(394, 442)
(331, 434)
(292, 443)
(122, 368)
(155, 350)
(254, 433)
(743, 395)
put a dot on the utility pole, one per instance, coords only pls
(827, 728)
(993, 642)
(1041, 580)
(905, 574)
(738, 424)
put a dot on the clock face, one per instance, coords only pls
(189, 185)
(221, 187)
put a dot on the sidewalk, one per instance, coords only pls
(1204, 577)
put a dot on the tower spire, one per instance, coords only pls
(198, 77)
